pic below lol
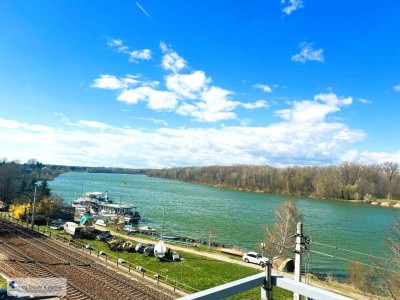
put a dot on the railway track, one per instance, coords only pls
(24, 253)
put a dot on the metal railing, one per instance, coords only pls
(259, 280)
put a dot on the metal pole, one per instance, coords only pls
(297, 261)
(209, 237)
(182, 259)
(33, 208)
(266, 289)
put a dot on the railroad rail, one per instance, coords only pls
(25, 253)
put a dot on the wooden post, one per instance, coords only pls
(297, 261)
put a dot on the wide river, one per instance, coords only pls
(239, 218)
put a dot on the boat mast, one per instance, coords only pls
(162, 226)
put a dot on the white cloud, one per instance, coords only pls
(90, 142)
(134, 56)
(311, 111)
(187, 93)
(397, 88)
(93, 124)
(110, 82)
(293, 5)
(364, 101)
(255, 105)
(213, 106)
(264, 87)
(123, 83)
(368, 157)
(114, 42)
(171, 61)
(154, 121)
(157, 100)
(9, 124)
(187, 85)
(308, 53)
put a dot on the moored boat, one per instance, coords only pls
(100, 206)
(70, 227)
(160, 249)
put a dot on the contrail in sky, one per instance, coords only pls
(145, 12)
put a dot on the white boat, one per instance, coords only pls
(100, 222)
(99, 205)
(147, 229)
(70, 227)
(160, 249)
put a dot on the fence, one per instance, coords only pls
(242, 285)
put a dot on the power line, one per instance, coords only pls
(350, 260)
(352, 251)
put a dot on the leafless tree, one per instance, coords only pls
(280, 237)
(389, 270)
(390, 169)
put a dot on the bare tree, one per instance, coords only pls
(280, 237)
(390, 169)
(389, 270)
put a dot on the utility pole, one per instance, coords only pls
(209, 236)
(297, 261)
(33, 209)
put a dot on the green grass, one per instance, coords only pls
(198, 272)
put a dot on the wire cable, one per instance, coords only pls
(350, 260)
(352, 251)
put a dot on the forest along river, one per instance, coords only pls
(238, 218)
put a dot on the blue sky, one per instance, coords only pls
(187, 83)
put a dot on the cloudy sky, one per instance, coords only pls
(189, 83)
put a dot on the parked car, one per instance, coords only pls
(56, 224)
(255, 258)
(149, 250)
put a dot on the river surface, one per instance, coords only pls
(239, 218)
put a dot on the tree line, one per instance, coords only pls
(83, 169)
(349, 181)
(18, 181)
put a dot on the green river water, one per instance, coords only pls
(238, 218)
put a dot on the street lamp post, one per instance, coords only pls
(182, 260)
(33, 209)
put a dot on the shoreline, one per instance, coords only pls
(376, 202)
